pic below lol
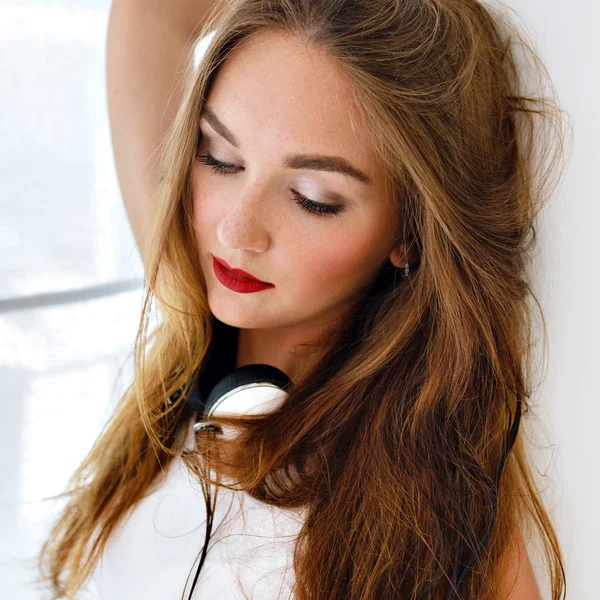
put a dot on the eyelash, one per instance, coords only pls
(306, 204)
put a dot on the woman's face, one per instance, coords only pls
(278, 113)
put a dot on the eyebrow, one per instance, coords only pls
(316, 162)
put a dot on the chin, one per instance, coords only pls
(236, 316)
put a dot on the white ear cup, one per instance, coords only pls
(251, 389)
(252, 398)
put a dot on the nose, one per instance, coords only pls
(244, 225)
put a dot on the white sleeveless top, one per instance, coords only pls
(152, 552)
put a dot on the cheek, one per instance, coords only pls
(340, 262)
(205, 215)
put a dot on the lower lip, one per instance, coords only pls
(235, 283)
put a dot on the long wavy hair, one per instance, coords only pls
(422, 478)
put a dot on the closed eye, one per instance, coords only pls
(306, 204)
(217, 165)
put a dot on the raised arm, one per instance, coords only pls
(149, 56)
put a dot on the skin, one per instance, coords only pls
(278, 96)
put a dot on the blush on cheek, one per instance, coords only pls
(333, 270)
(350, 268)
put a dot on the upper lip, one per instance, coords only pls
(239, 272)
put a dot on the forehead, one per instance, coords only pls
(278, 91)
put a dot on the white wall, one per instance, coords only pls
(568, 287)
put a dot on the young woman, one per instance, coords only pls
(377, 165)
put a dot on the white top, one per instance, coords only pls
(151, 553)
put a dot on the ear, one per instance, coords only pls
(400, 255)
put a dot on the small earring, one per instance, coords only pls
(406, 270)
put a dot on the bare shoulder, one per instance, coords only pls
(517, 579)
(516, 576)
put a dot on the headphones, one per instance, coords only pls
(221, 388)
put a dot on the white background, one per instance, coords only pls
(66, 248)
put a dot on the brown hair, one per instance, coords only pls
(421, 385)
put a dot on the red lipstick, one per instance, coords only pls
(238, 280)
